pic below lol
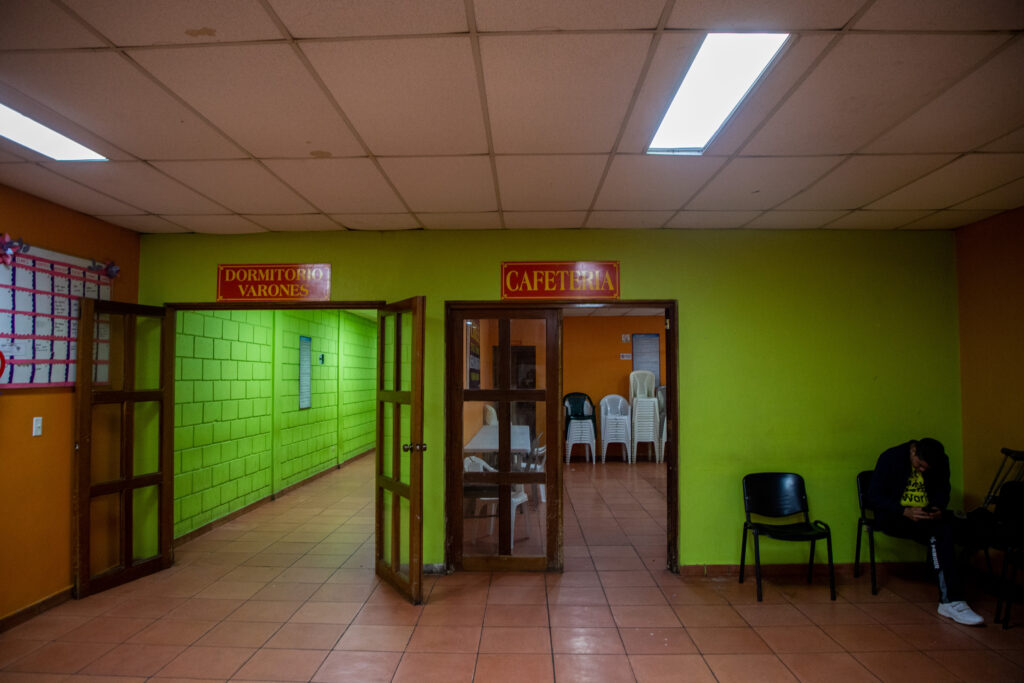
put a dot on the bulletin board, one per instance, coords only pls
(39, 295)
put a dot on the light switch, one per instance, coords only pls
(37, 426)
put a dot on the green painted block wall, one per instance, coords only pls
(807, 351)
(358, 409)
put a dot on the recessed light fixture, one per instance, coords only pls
(725, 68)
(28, 133)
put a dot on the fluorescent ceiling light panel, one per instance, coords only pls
(725, 68)
(37, 137)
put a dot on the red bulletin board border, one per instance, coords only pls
(546, 280)
(274, 282)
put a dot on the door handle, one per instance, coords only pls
(406, 447)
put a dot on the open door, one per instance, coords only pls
(123, 496)
(400, 447)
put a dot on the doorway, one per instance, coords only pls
(484, 524)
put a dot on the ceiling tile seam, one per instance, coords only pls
(485, 111)
(40, 166)
(940, 90)
(301, 55)
(641, 79)
(987, 190)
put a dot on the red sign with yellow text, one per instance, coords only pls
(560, 280)
(274, 282)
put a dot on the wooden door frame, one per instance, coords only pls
(453, 385)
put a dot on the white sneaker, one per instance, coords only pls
(960, 613)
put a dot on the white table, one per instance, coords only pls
(486, 440)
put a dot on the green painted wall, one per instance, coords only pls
(809, 351)
(358, 408)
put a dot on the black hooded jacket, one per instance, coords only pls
(890, 479)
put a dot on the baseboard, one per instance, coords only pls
(23, 615)
(843, 570)
(207, 528)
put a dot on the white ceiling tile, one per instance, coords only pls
(407, 96)
(377, 221)
(331, 18)
(43, 183)
(171, 22)
(763, 15)
(461, 221)
(793, 220)
(875, 220)
(566, 15)
(760, 183)
(443, 184)
(105, 94)
(544, 219)
(35, 25)
(1014, 142)
(339, 185)
(863, 179)
(712, 219)
(549, 183)
(986, 105)
(228, 224)
(865, 85)
(242, 186)
(947, 220)
(1009, 196)
(628, 219)
(144, 223)
(943, 15)
(647, 182)
(968, 176)
(312, 222)
(559, 93)
(262, 96)
(137, 184)
(10, 155)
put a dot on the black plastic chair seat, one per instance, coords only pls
(802, 531)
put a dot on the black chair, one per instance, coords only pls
(866, 521)
(777, 495)
(1007, 535)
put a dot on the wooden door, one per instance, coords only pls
(400, 447)
(123, 496)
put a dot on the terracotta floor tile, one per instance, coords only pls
(326, 612)
(580, 640)
(596, 616)
(134, 659)
(342, 592)
(739, 668)
(210, 609)
(836, 613)
(445, 639)
(626, 578)
(900, 613)
(252, 574)
(562, 595)
(696, 616)
(515, 640)
(772, 615)
(827, 667)
(907, 666)
(657, 641)
(516, 595)
(285, 591)
(983, 666)
(375, 638)
(797, 639)
(670, 669)
(516, 615)
(450, 614)
(654, 616)
(47, 627)
(865, 638)
(295, 635)
(433, 667)
(593, 668)
(231, 590)
(145, 608)
(568, 579)
(207, 662)
(60, 657)
(619, 564)
(173, 632)
(278, 611)
(368, 667)
(388, 615)
(239, 634)
(12, 649)
(630, 595)
(728, 640)
(514, 668)
(282, 665)
(106, 630)
(683, 594)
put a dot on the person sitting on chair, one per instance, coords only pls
(909, 492)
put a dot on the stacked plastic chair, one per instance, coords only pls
(580, 425)
(615, 424)
(646, 424)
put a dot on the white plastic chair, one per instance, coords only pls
(646, 425)
(490, 505)
(641, 384)
(615, 424)
(490, 415)
(536, 463)
(581, 431)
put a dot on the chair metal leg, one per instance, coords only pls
(856, 553)
(831, 568)
(743, 553)
(757, 565)
(810, 565)
(871, 558)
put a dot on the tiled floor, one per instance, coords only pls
(286, 593)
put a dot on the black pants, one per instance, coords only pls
(937, 537)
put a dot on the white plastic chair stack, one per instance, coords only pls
(581, 431)
(615, 424)
(663, 419)
(646, 425)
(641, 384)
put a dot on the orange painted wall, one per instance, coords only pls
(35, 472)
(590, 353)
(990, 259)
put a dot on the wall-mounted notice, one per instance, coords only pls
(305, 373)
(647, 354)
(274, 282)
(39, 294)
